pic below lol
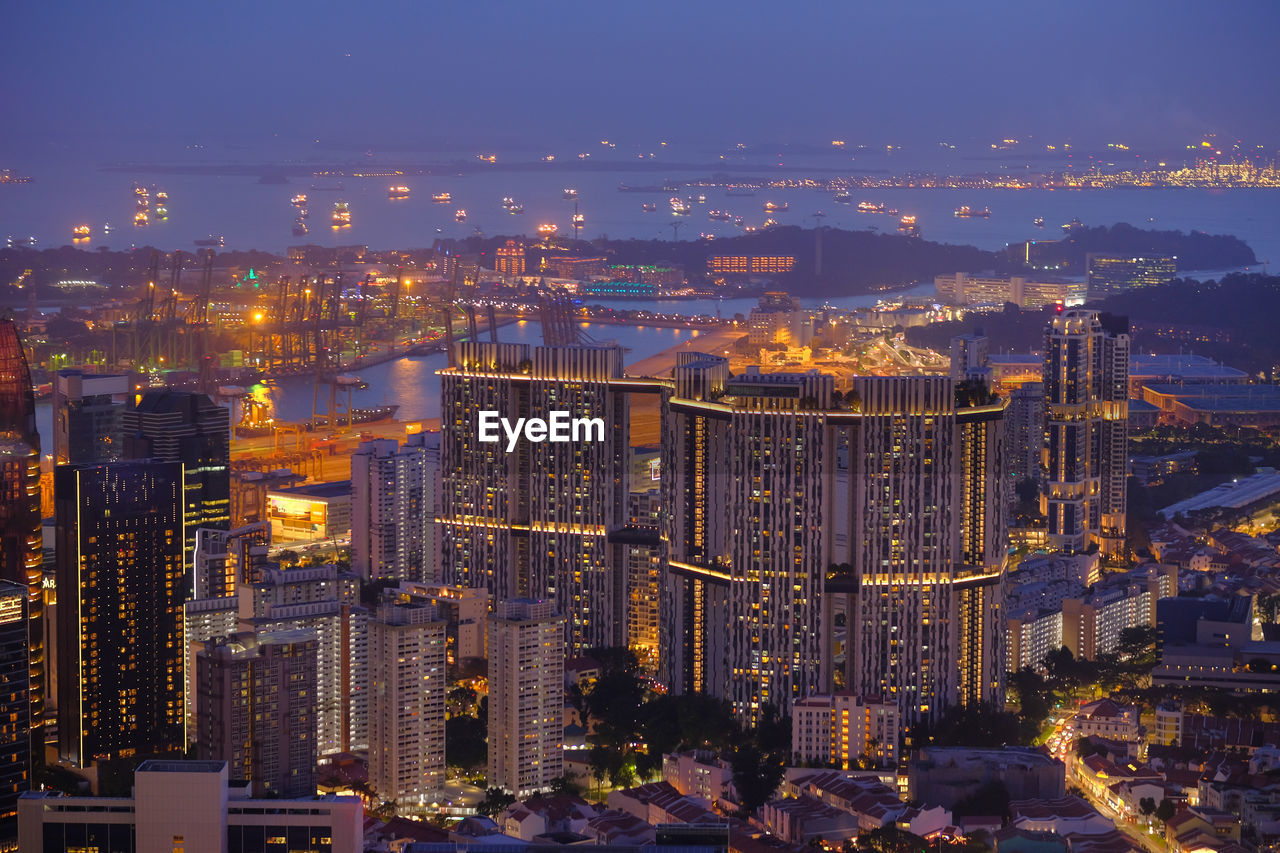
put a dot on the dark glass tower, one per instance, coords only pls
(180, 426)
(87, 413)
(120, 568)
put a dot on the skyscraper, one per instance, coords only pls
(15, 707)
(1108, 274)
(326, 602)
(120, 582)
(258, 708)
(969, 355)
(526, 696)
(747, 472)
(87, 417)
(406, 702)
(180, 426)
(536, 522)
(394, 491)
(1086, 371)
(792, 504)
(20, 537)
(17, 396)
(22, 560)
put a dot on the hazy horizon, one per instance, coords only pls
(151, 79)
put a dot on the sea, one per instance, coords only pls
(67, 190)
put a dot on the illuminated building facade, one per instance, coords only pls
(258, 709)
(1086, 431)
(311, 512)
(407, 687)
(965, 289)
(792, 504)
(526, 696)
(509, 259)
(180, 426)
(1108, 274)
(838, 729)
(120, 582)
(750, 264)
(21, 560)
(536, 522)
(15, 707)
(394, 501)
(88, 411)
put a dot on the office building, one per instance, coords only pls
(791, 504)
(22, 561)
(845, 730)
(88, 416)
(310, 513)
(394, 492)
(192, 806)
(326, 602)
(526, 696)
(180, 426)
(20, 507)
(1179, 369)
(536, 522)
(258, 710)
(967, 289)
(17, 395)
(1108, 274)
(120, 567)
(16, 745)
(407, 688)
(1086, 431)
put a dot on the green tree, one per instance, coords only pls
(1165, 810)
(466, 744)
(495, 800)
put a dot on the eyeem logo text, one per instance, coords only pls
(561, 426)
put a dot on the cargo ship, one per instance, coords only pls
(774, 207)
(81, 232)
(870, 207)
(649, 206)
(211, 241)
(398, 191)
(341, 214)
(299, 228)
(842, 197)
(570, 194)
(679, 208)
(442, 198)
(460, 215)
(298, 200)
(967, 212)
(907, 225)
